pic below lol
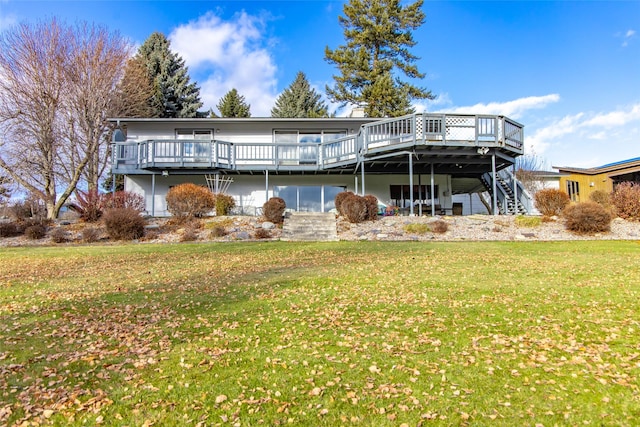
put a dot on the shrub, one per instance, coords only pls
(224, 203)
(587, 217)
(528, 221)
(439, 226)
(190, 201)
(551, 201)
(372, 207)
(626, 200)
(31, 207)
(88, 205)
(273, 210)
(417, 228)
(124, 200)
(59, 235)
(189, 234)
(341, 197)
(90, 234)
(261, 233)
(601, 197)
(10, 229)
(218, 231)
(36, 231)
(354, 208)
(124, 224)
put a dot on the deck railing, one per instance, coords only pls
(382, 135)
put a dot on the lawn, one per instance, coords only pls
(362, 333)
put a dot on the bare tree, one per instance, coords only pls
(32, 61)
(57, 86)
(528, 169)
(96, 67)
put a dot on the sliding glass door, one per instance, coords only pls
(308, 198)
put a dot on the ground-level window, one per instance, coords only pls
(308, 198)
(400, 195)
(573, 190)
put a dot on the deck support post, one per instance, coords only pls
(420, 195)
(362, 170)
(153, 195)
(433, 198)
(494, 184)
(411, 211)
(515, 191)
(266, 185)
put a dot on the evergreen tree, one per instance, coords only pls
(173, 93)
(233, 105)
(378, 36)
(299, 100)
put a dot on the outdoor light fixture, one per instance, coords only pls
(483, 150)
(165, 173)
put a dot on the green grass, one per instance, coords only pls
(364, 333)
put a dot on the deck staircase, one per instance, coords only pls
(508, 204)
(309, 226)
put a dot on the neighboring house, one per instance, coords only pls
(415, 163)
(579, 183)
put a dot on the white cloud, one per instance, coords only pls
(513, 109)
(228, 54)
(630, 34)
(570, 136)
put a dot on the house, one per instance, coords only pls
(579, 183)
(416, 163)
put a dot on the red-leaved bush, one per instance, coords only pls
(626, 200)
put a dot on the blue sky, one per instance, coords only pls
(569, 70)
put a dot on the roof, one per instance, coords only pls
(609, 167)
(242, 120)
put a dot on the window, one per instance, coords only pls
(191, 150)
(304, 148)
(573, 190)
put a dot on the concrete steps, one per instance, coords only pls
(309, 227)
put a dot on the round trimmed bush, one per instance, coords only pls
(341, 197)
(587, 218)
(190, 201)
(372, 207)
(273, 210)
(124, 224)
(224, 204)
(354, 208)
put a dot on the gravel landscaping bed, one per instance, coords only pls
(391, 228)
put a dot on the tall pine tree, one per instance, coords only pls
(232, 104)
(299, 100)
(173, 93)
(378, 36)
